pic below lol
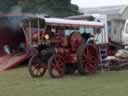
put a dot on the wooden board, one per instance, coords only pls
(9, 61)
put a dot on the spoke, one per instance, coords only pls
(91, 49)
(35, 71)
(55, 72)
(91, 65)
(90, 59)
(94, 59)
(33, 68)
(92, 62)
(92, 69)
(59, 69)
(53, 65)
(57, 66)
(41, 70)
(56, 60)
(86, 68)
(38, 73)
(86, 52)
(61, 64)
(85, 57)
(94, 56)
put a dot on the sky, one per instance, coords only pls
(98, 3)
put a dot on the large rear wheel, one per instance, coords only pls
(88, 60)
(36, 66)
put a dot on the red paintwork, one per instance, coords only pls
(8, 62)
(4, 58)
(75, 41)
(110, 51)
(90, 59)
(59, 38)
(70, 59)
(56, 63)
(67, 54)
(22, 59)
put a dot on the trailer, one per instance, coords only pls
(13, 49)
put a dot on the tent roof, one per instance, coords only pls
(110, 10)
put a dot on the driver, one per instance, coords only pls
(46, 39)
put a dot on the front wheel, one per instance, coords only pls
(36, 66)
(56, 66)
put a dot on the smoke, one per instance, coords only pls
(13, 17)
(16, 10)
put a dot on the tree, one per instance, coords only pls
(56, 8)
(6, 5)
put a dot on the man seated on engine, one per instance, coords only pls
(88, 37)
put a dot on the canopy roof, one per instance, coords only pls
(35, 20)
(65, 22)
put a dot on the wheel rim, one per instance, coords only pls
(90, 59)
(56, 66)
(36, 67)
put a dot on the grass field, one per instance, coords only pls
(18, 82)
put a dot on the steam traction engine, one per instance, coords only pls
(61, 53)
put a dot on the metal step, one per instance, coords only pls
(102, 53)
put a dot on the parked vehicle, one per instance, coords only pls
(61, 46)
(125, 34)
(116, 32)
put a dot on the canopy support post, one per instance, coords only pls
(38, 22)
(30, 32)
